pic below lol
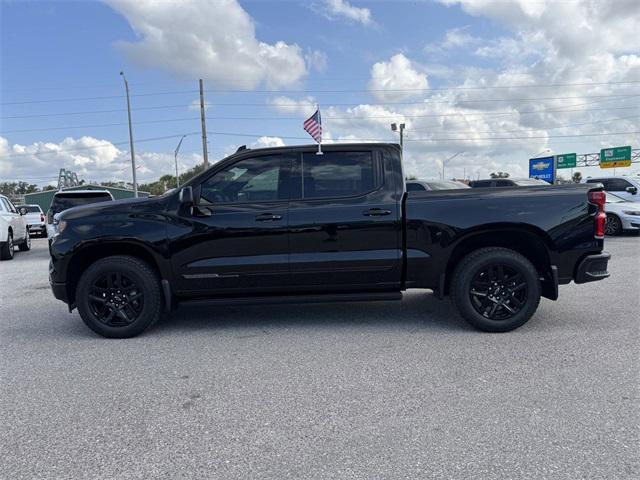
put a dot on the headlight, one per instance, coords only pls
(631, 212)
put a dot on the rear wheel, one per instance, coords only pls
(6, 252)
(119, 297)
(613, 225)
(25, 246)
(495, 289)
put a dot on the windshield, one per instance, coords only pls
(62, 202)
(32, 209)
(446, 185)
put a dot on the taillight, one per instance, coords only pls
(42, 217)
(599, 199)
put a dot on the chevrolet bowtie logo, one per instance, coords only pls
(540, 165)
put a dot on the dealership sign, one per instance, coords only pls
(542, 168)
(566, 160)
(615, 157)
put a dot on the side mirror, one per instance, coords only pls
(632, 190)
(186, 196)
(22, 210)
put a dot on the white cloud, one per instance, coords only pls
(265, 141)
(334, 9)
(396, 79)
(304, 106)
(91, 158)
(454, 38)
(212, 40)
(316, 60)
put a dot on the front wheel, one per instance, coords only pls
(119, 297)
(6, 252)
(495, 289)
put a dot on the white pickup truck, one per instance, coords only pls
(13, 229)
(36, 221)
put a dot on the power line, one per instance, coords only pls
(429, 89)
(292, 105)
(99, 125)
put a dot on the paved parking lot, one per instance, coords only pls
(380, 390)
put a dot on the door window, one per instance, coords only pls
(337, 174)
(9, 206)
(617, 185)
(504, 183)
(258, 179)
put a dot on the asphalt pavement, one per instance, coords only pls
(372, 391)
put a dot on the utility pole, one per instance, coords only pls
(204, 127)
(133, 155)
(175, 157)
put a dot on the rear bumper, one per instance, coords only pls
(593, 268)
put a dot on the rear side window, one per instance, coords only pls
(481, 184)
(62, 202)
(337, 174)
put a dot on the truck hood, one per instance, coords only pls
(135, 205)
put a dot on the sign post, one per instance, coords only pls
(615, 157)
(566, 160)
(543, 168)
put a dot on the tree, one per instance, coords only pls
(499, 175)
(411, 177)
(17, 188)
(577, 177)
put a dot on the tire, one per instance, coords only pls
(6, 252)
(491, 303)
(25, 246)
(613, 225)
(119, 297)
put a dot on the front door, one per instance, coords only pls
(344, 223)
(238, 240)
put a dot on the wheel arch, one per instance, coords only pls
(90, 254)
(531, 242)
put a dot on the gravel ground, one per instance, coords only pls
(380, 390)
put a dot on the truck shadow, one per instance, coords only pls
(418, 310)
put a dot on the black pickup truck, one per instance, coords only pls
(285, 225)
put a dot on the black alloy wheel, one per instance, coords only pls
(495, 289)
(115, 299)
(119, 296)
(498, 291)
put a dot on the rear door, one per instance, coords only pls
(344, 222)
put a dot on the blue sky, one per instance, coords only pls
(382, 53)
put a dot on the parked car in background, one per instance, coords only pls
(36, 220)
(626, 188)
(621, 215)
(286, 225)
(422, 185)
(65, 199)
(13, 229)
(507, 182)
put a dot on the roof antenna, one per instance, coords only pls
(241, 148)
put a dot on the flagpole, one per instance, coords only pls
(319, 152)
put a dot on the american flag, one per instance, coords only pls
(313, 126)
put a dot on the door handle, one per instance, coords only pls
(376, 212)
(268, 217)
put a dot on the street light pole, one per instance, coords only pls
(394, 128)
(175, 158)
(445, 161)
(133, 155)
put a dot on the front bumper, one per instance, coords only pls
(630, 222)
(593, 268)
(59, 289)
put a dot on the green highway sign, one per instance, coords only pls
(615, 157)
(566, 160)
